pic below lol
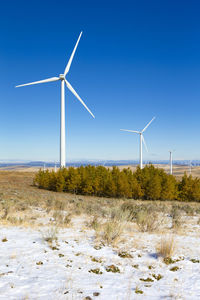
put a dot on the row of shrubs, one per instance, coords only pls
(149, 183)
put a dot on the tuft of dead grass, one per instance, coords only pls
(147, 222)
(62, 219)
(117, 213)
(50, 235)
(95, 223)
(110, 232)
(166, 247)
(176, 217)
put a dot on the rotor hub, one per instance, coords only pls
(62, 76)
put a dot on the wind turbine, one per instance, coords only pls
(62, 114)
(55, 167)
(141, 139)
(170, 161)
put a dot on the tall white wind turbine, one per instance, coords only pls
(62, 78)
(142, 140)
(171, 161)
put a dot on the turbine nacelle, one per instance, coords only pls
(62, 77)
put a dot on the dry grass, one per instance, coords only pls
(61, 218)
(112, 231)
(176, 215)
(109, 229)
(117, 213)
(23, 204)
(109, 232)
(94, 223)
(50, 235)
(147, 221)
(166, 247)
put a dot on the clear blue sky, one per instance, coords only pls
(135, 60)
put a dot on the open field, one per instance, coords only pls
(178, 170)
(65, 246)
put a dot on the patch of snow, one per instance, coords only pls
(30, 268)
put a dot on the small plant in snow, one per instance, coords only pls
(174, 269)
(157, 277)
(125, 254)
(195, 260)
(51, 235)
(135, 266)
(96, 271)
(113, 269)
(148, 279)
(94, 259)
(138, 291)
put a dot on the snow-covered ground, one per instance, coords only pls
(32, 268)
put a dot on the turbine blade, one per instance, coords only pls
(130, 130)
(72, 56)
(144, 143)
(148, 124)
(78, 97)
(41, 81)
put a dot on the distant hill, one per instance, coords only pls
(7, 163)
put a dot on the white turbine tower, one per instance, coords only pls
(170, 161)
(141, 140)
(62, 115)
(55, 167)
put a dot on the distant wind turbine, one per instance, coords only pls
(141, 140)
(171, 161)
(62, 116)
